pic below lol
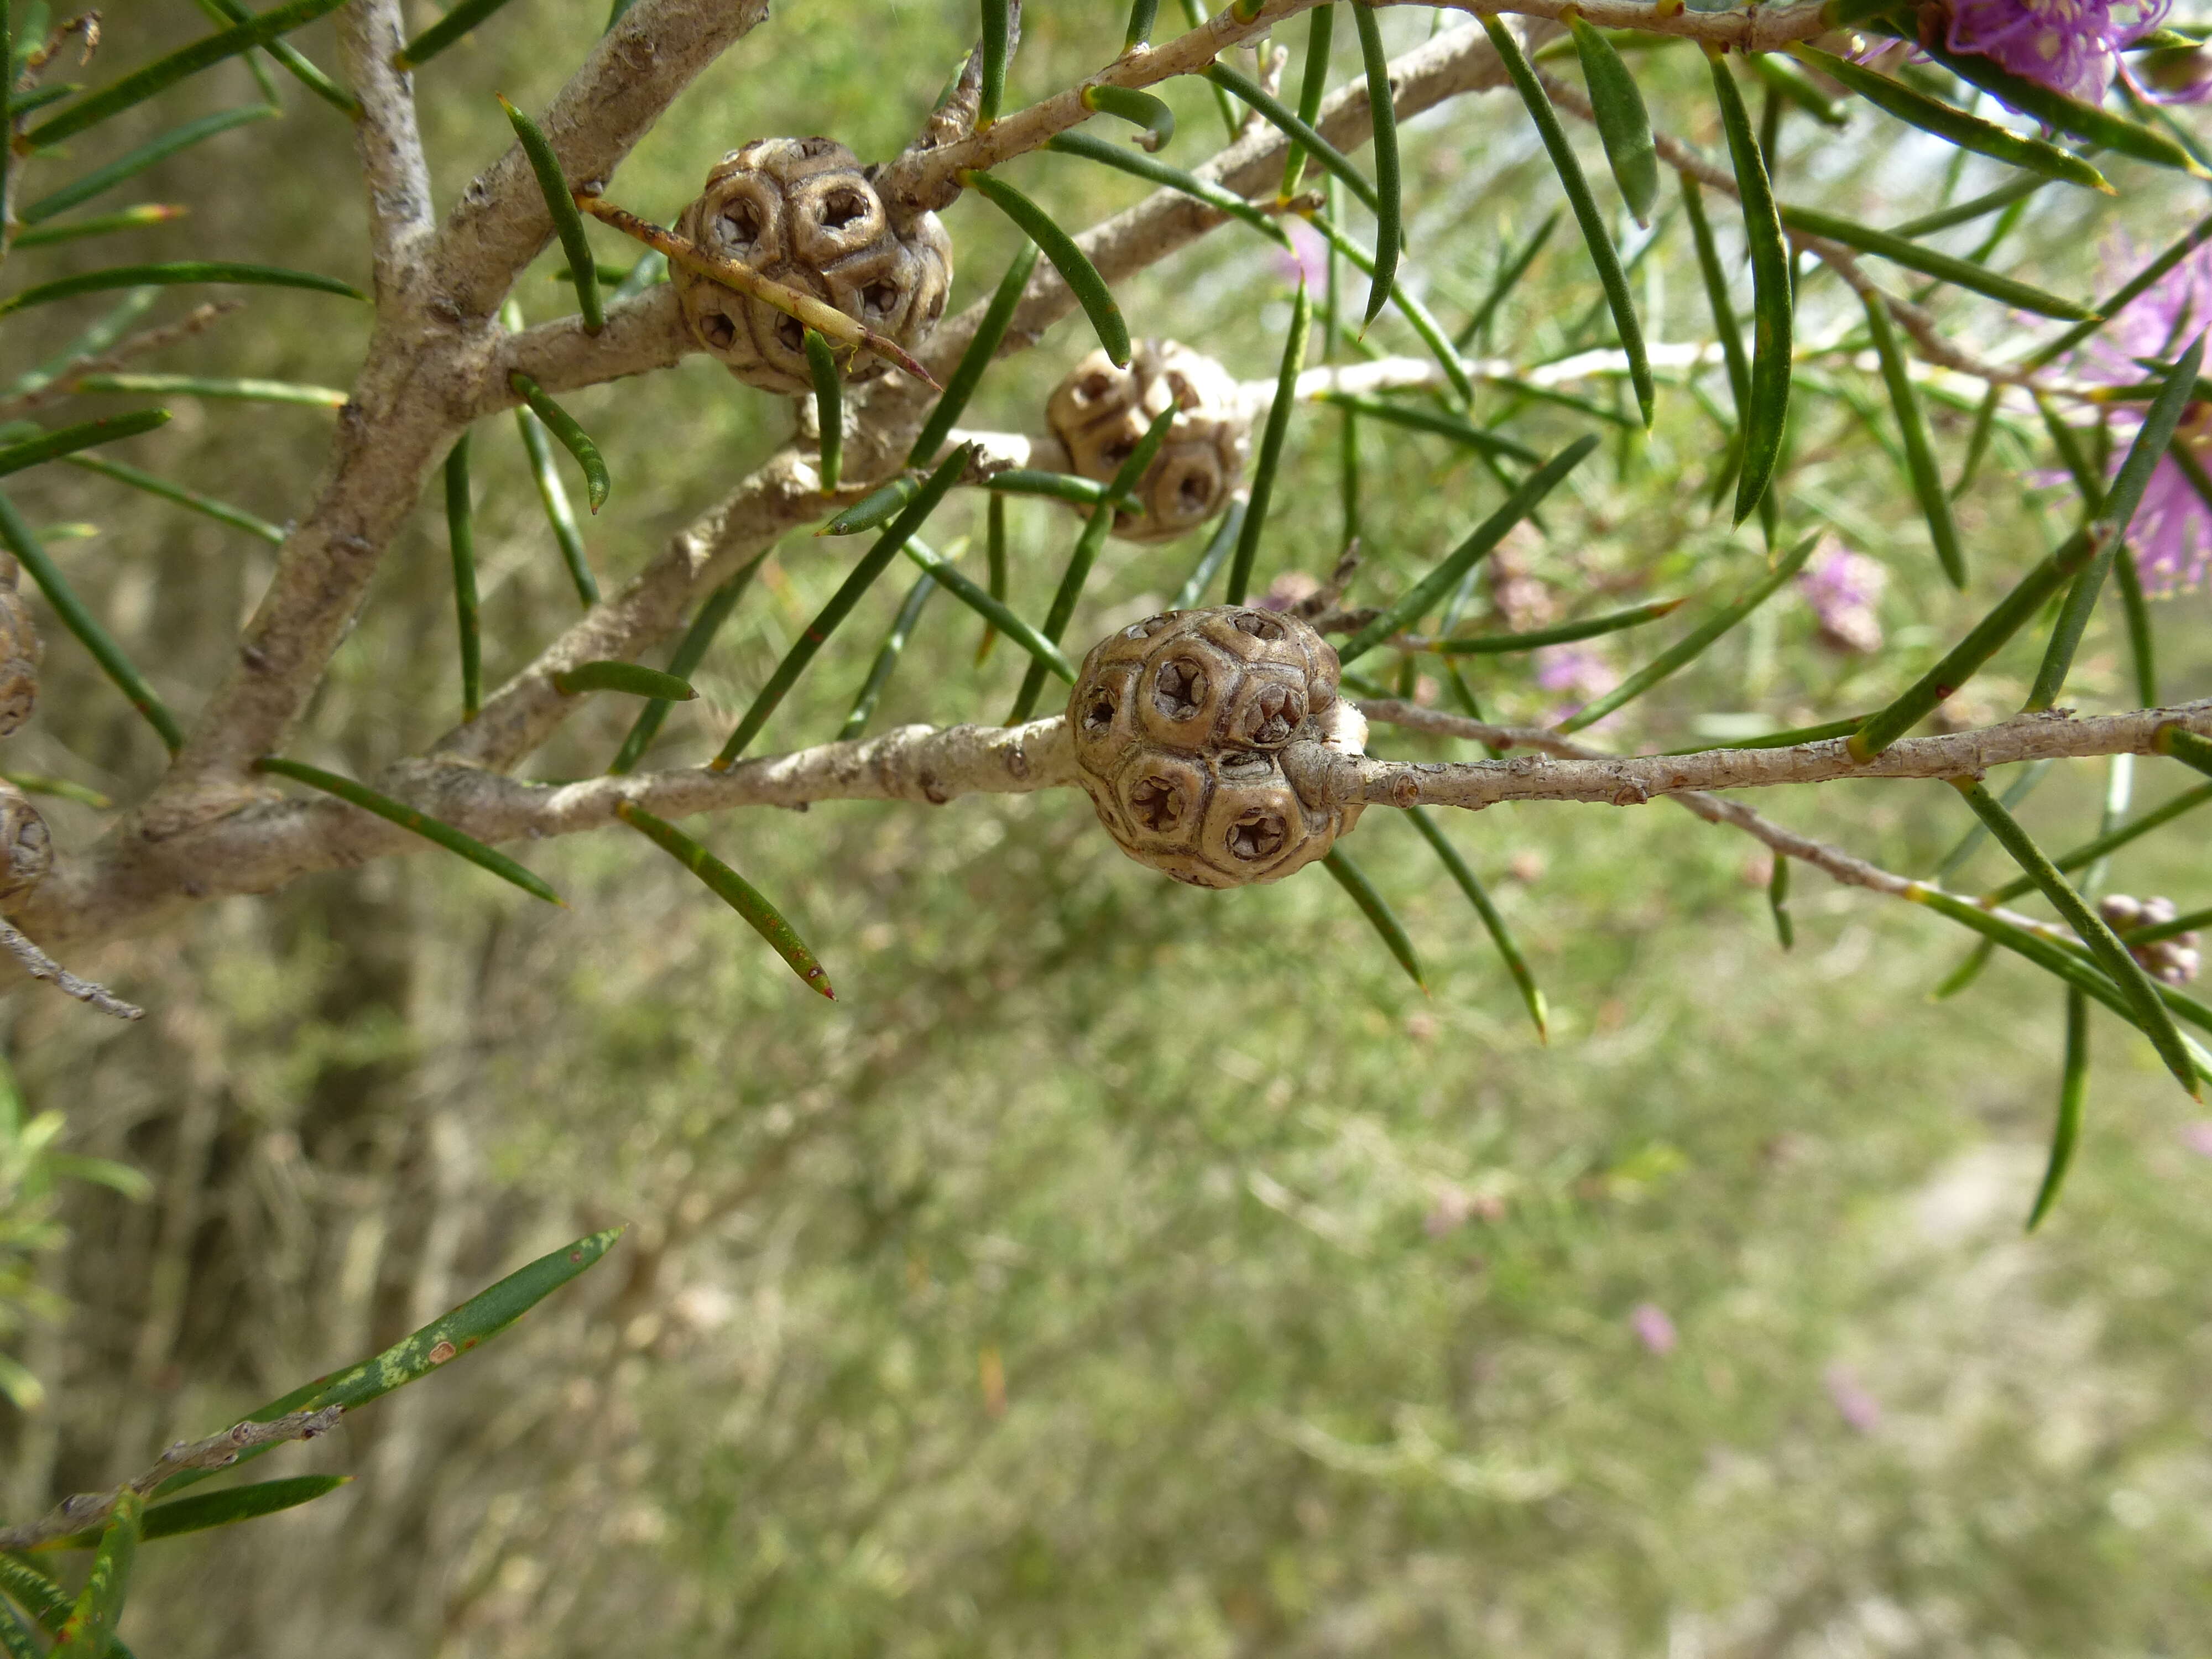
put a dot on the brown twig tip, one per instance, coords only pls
(38, 965)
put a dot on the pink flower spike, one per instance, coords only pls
(1859, 1409)
(1308, 254)
(2071, 47)
(1652, 1327)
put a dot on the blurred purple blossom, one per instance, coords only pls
(1859, 1409)
(2171, 534)
(2198, 1137)
(1577, 669)
(2071, 47)
(1652, 1326)
(1845, 591)
(1308, 256)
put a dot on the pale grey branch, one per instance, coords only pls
(38, 965)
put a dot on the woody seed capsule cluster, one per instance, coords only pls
(1179, 724)
(2173, 960)
(26, 848)
(1099, 413)
(801, 212)
(20, 650)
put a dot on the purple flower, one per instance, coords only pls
(1845, 590)
(2071, 47)
(1577, 669)
(1308, 256)
(1652, 1327)
(1859, 1409)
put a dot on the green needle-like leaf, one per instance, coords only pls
(1424, 324)
(1142, 15)
(36, 1594)
(632, 679)
(1279, 116)
(219, 1509)
(1226, 534)
(165, 72)
(567, 224)
(296, 64)
(223, 388)
(1694, 643)
(992, 610)
(2092, 125)
(24, 545)
(105, 224)
(1786, 79)
(2128, 292)
(1920, 470)
(1953, 125)
(238, 518)
(1624, 125)
(734, 890)
(1353, 879)
(1778, 902)
(994, 553)
(1269, 464)
(68, 440)
(1141, 166)
(1716, 297)
(1313, 87)
(1534, 639)
(1073, 264)
(2090, 928)
(422, 823)
(1788, 739)
(1927, 224)
(2073, 1090)
(1430, 591)
(1154, 120)
(37, 783)
(1389, 219)
(998, 46)
(464, 18)
(1427, 417)
(553, 496)
(871, 565)
(690, 652)
(1773, 299)
(878, 507)
(461, 541)
(1915, 256)
(1968, 970)
(2184, 746)
(1088, 544)
(887, 656)
(1977, 440)
(476, 1321)
(15, 1639)
(1509, 949)
(1510, 273)
(960, 385)
(2189, 921)
(183, 270)
(573, 437)
(2111, 840)
(1968, 844)
(829, 408)
(1067, 487)
(92, 1622)
(95, 340)
(1602, 253)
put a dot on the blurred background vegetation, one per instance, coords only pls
(1115, 1268)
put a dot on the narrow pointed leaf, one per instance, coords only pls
(1389, 221)
(2111, 840)
(1534, 639)
(1602, 253)
(887, 656)
(1624, 125)
(67, 441)
(1977, 440)
(476, 1321)
(219, 1509)
(1920, 470)
(1790, 739)
(1428, 592)
(407, 817)
(102, 334)
(1968, 970)
(1069, 487)
(465, 16)
(1353, 879)
(1777, 901)
(1773, 299)
(2090, 928)
(567, 224)
(92, 1622)
(2069, 115)
(1509, 949)
(1416, 315)
(2128, 292)
(1509, 276)
(2189, 921)
(2073, 1091)
(1269, 463)
(1226, 534)
(1313, 87)
(183, 270)
(1153, 120)
(15, 1639)
(1427, 417)
(105, 224)
(1088, 543)
(994, 610)
(574, 439)
(224, 388)
(553, 496)
(1968, 844)
(872, 564)
(1073, 264)
(2071, 968)
(461, 543)
(222, 512)
(1982, 641)
(1953, 125)
(1694, 643)
(296, 64)
(37, 783)
(165, 72)
(960, 385)
(2135, 607)
(36, 1594)
(829, 409)
(1142, 15)
(24, 545)
(1966, 212)
(734, 890)
(690, 652)
(878, 507)
(1279, 116)
(995, 553)
(2184, 746)
(1915, 256)
(998, 46)
(632, 679)
(649, 271)
(1787, 80)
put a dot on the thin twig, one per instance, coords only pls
(65, 382)
(38, 965)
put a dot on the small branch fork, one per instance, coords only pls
(89, 1509)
